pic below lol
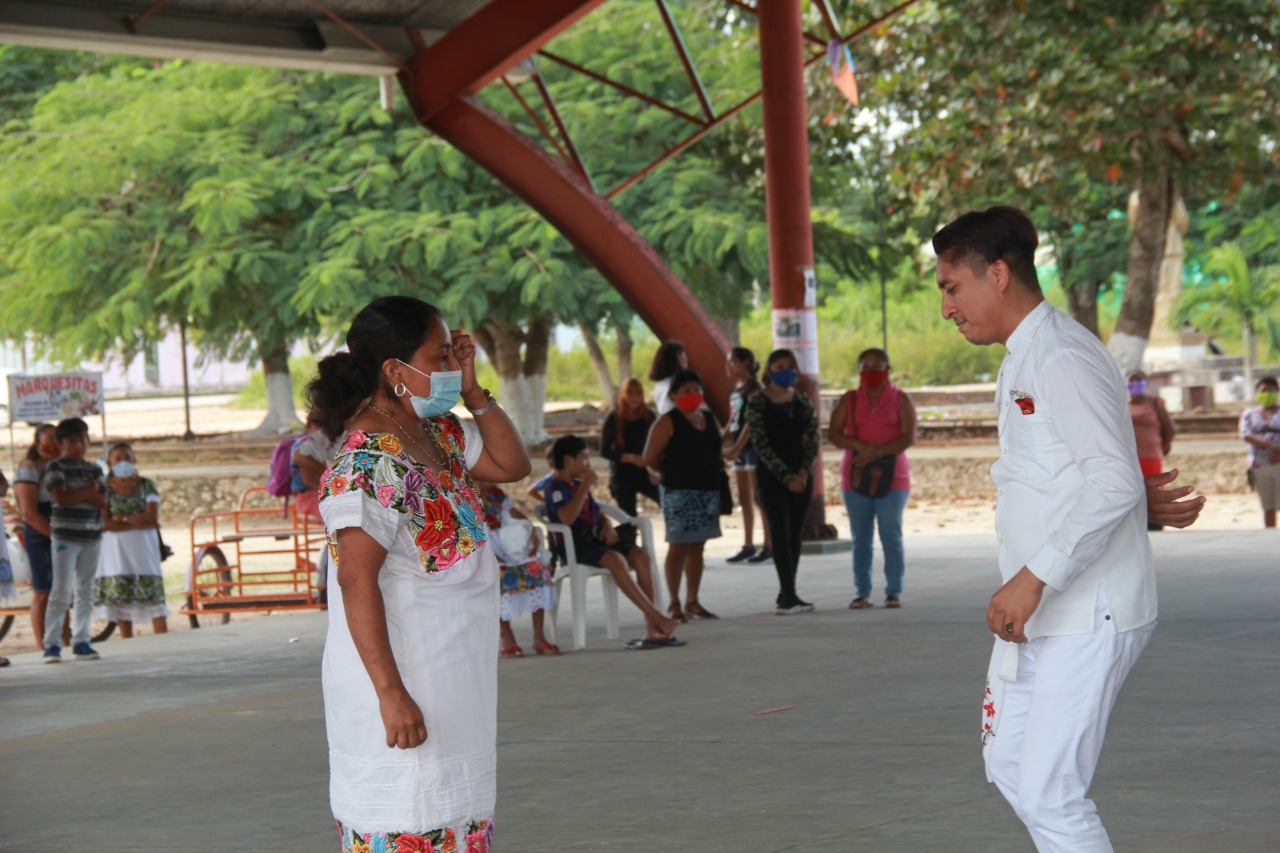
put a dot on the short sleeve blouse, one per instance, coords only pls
(135, 503)
(375, 485)
(33, 472)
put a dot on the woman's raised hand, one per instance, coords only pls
(464, 350)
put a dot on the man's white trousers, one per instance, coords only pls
(1044, 723)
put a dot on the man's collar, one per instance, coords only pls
(1021, 335)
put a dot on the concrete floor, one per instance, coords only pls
(213, 740)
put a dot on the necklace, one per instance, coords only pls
(433, 458)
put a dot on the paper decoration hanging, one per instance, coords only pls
(842, 70)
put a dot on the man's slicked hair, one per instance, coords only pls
(999, 233)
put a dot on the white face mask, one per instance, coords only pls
(124, 469)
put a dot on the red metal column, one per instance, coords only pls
(599, 232)
(786, 159)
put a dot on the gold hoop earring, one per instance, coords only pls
(400, 389)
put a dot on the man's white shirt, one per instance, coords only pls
(1071, 503)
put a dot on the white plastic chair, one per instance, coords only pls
(578, 574)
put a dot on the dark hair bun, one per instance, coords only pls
(386, 328)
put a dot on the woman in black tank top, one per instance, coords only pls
(684, 445)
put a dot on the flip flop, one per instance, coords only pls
(547, 649)
(640, 645)
(511, 652)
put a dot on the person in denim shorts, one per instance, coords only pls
(36, 506)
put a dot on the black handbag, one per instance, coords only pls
(165, 551)
(726, 494)
(877, 476)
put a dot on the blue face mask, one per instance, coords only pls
(783, 378)
(446, 388)
(124, 470)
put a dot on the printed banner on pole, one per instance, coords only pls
(54, 396)
(796, 329)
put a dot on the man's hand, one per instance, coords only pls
(1164, 506)
(798, 483)
(609, 535)
(590, 478)
(1013, 605)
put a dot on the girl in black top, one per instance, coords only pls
(622, 440)
(685, 445)
(784, 432)
(740, 365)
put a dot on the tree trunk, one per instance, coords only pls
(625, 346)
(1142, 277)
(1082, 299)
(522, 377)
(281, 414)
(600, 363)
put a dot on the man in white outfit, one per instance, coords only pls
(1078, 603)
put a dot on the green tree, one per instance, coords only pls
(142, 197)
(1027, 101)
(1236, 294)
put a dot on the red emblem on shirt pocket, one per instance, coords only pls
(1027, 405)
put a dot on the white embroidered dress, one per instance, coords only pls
(440, 587)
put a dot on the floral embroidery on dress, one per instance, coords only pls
(444, 508)
(988, 715)
(476, 835)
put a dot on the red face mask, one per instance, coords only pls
(689, 402)
(873, 379)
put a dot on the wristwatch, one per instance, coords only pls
(484, 410)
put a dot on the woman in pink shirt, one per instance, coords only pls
(874, 425)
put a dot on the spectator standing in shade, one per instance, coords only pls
(741, 366)
(1152, 427)
(1260, 429)
(622, 440)
(36, 506)
(130, 583)
(669, 358)
(79, 497)
(874, 425)
(784, 432)
(684, 445)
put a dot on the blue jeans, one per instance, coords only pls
(75, 564)
(864, 514)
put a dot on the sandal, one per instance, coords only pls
(547, 649)
(4, 661)
(697, 611)
(511, 652)
(891, 601)
(674, 611)
(861, 603)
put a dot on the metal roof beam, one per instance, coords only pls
(485, 46)
(320, 46)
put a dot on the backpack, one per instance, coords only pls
(280, 480)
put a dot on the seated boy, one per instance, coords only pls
(538, 491)
(596, 542)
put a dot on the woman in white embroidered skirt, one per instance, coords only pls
(130, 583)
(410, 679)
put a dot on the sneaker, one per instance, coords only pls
(746, 552)
(795, 608)
(84, 651)
(53, 654)
(764, 555)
